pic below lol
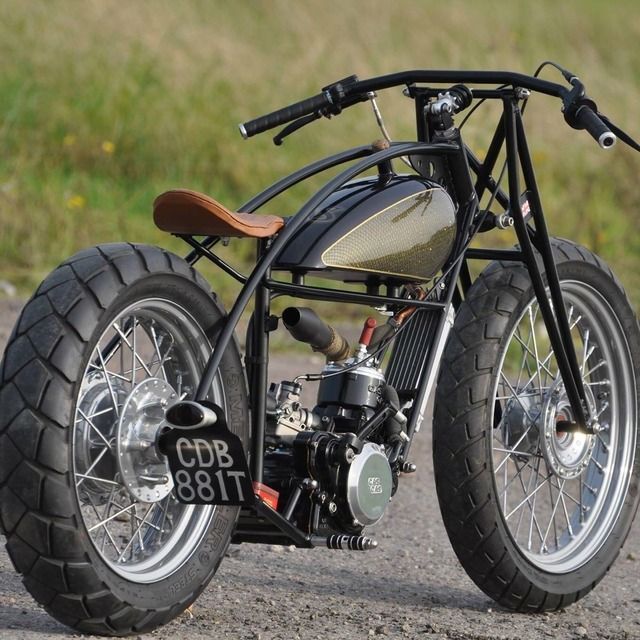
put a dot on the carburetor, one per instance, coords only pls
(283, 404)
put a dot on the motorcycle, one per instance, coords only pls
(136, 443)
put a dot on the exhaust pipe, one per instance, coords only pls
(193, 415)
(305, 325)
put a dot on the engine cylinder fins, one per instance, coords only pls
(305, 325)
(339, 542)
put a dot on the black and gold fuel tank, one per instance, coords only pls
(402, 230)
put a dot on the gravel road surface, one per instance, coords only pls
(410, 587)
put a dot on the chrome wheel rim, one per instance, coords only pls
(151, 355)
(560, 494)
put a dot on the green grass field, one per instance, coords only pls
(105, 104)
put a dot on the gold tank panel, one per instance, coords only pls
(411, 238)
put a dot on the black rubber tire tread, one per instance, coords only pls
(462, 442)
(43, 364)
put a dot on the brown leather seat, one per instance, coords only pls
(193, 213)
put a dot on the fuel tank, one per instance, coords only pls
(371, 231)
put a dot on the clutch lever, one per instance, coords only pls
(326, 112)
(294, 126)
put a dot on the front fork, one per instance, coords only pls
(553, 311)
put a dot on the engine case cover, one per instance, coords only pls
(369, 484)
(401, 230)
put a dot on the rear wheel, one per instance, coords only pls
(535, 514)
(110, 339)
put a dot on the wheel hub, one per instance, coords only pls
(143, 470)
(96, 426)
(520, 424)
(567, 453)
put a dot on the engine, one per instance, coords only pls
(335, 465)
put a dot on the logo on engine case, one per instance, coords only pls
(375, 485)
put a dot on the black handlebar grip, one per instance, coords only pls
(284, 115)
(587, 118)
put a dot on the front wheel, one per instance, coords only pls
(535, 514)
(110, 339)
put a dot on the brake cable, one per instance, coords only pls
(383, 129)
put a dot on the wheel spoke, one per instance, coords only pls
(602, 363)
(540, 365)
(134, 354)
(603, 444)
(552, 518)
(528, 497)
(84, 476)
(136, 532)
(517, 397)
(106, 534)
(522, 437)
(525, 360)
(93, 426)
(535, 355)
(520, 395)
(517, 453)
(112, 393)
(515, 477)
(161, 358)
(531, 504)
(586, 351)
(566, 513)
(533, 520)
(569, 496)
(112, 517)
(93, 465)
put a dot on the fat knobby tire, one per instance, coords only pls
(462, 436)
(40, 376)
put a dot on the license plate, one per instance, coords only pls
(208, 466)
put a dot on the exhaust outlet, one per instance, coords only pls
(305, 326)
(191, 415)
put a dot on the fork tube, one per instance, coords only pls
(544, 247)
(559, 341)
(259, 373)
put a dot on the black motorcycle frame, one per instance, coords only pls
(471, 184)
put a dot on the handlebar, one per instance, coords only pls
(349, 91)
(580, 112)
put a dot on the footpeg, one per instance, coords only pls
(345, 543)
(408, 467)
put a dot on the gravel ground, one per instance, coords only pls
(410, 587)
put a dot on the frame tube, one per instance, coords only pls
(259, 374)
(281, 240)
(338, 295)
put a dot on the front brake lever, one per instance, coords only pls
(576, 98)
(294, 126)
(622, 135)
